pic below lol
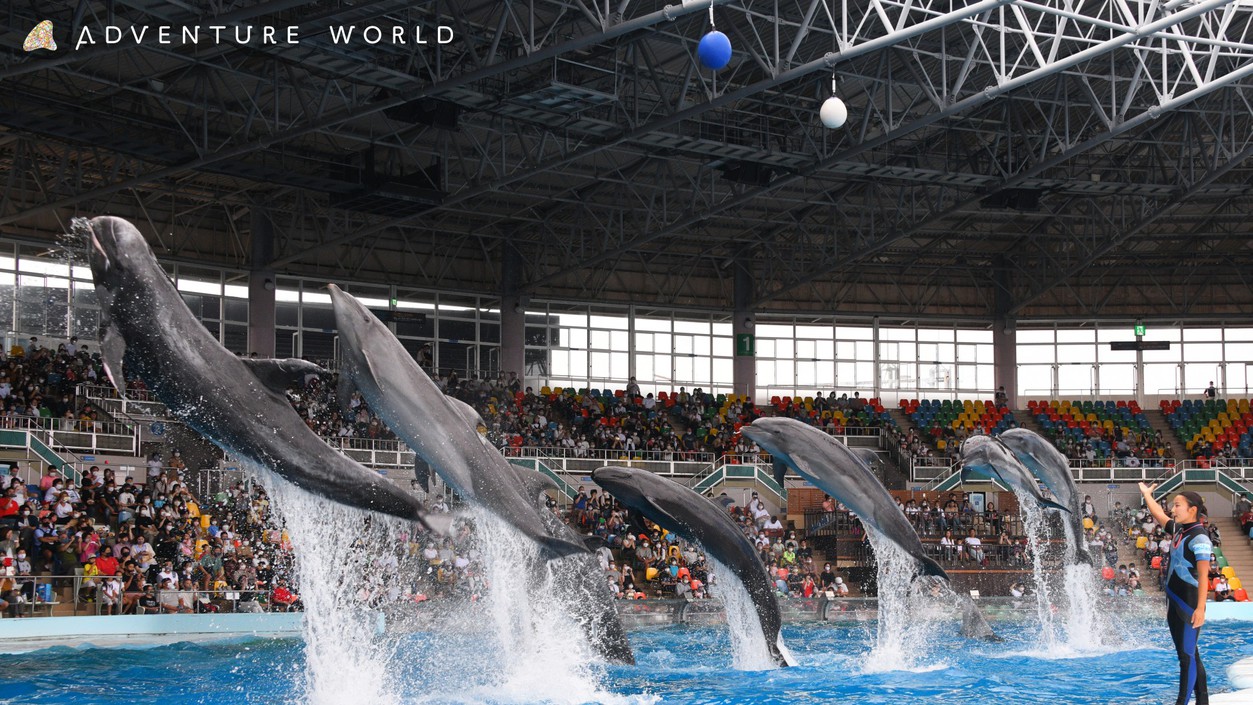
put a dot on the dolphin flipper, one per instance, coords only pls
(344, 390)
(558, 548)
(780, 471)
(279, 375)
(112, 350)
(1047, 504)
(468, 413)
(422, 472)
(535, 483)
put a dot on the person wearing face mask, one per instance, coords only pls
(57, 489)
(145, 514)
(645, 555)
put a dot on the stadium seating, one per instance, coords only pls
(1093, 421)
(933, 417)
(1211, 425)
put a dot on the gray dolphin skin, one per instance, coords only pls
(402, 395)
(1047, 462)
(983, 455)
(676, 508)
(579, 578)
(239, 405)
(840, 472)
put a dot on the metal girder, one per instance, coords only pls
(373, 107)
(1118, 239)
(1008, 82)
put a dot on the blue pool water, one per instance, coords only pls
(676, 665)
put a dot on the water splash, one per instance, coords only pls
(1037, 542)
(749, 651)
(1068, 601)
(542, 652)
(335, 547)
(907, 626)
(518, 644)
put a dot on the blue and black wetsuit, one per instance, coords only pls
(1190, 546)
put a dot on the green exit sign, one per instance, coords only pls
(1140, 329)
(745, 345)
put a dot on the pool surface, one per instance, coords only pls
(675, 665)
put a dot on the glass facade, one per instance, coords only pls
(1079, 362)
(44, 293)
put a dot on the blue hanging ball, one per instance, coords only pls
(714, 50)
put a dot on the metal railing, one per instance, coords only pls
(134, 403)
(73, 436)
(604, 454)
(373, 452)
(62, 595)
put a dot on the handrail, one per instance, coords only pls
(607, 454)
(34, 595)
(102, 393)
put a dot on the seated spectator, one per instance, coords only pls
(284, 599)
(974, 548)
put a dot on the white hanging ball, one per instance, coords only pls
(833, 113)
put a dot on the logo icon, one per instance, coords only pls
(40, 37)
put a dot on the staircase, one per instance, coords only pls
(1237, 549)
(1157, 420)
(1027, 421)
(903, 421)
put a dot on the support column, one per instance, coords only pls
(512, 317)
(1005, 337)
(744, 327)
(261, 285)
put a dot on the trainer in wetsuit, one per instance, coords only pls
(1186, 585)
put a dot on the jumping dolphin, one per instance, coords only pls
(685, 512)
(1048, 463)
(579, 579)
(404, 397)
(844, 474)
(237, 404)
(841, 473)
(983, 455)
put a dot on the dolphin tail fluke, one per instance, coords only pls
(782, 657)
(974, 624)
(557, 548)
(1082, 555)
(930, 568)
(1053, 505)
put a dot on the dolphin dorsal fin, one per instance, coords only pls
(279, 375)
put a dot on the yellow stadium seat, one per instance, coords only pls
(1229, 572)
(1235, 584)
